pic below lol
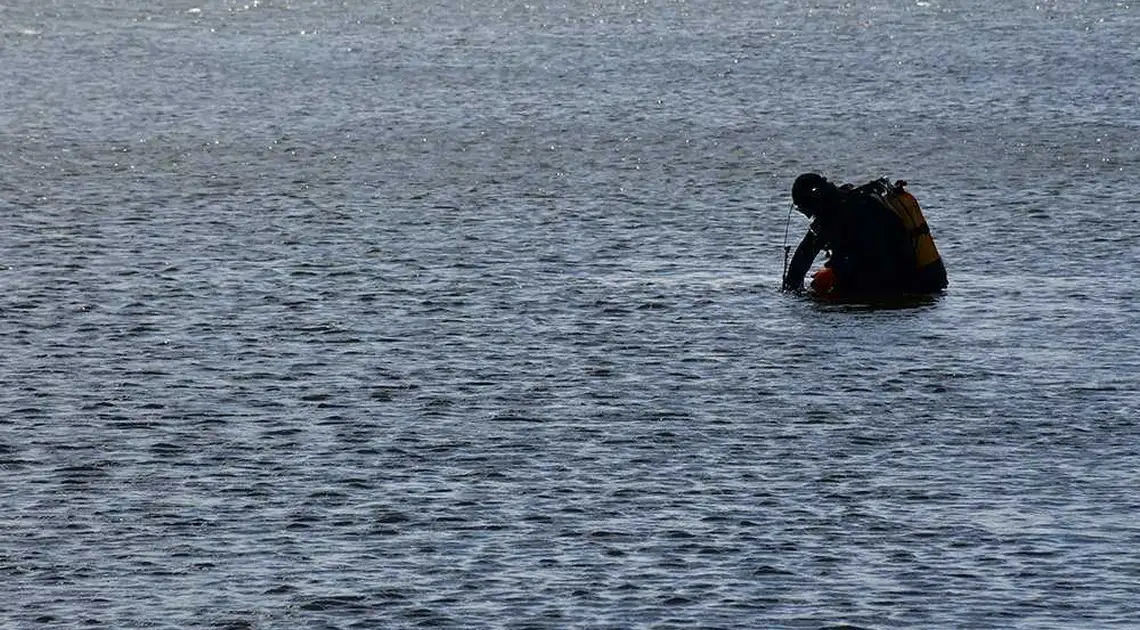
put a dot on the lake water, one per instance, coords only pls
(465, 315)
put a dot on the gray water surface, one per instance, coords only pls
(464, 315)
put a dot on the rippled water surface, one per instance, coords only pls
(464, 315)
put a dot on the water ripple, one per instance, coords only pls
(443, 316)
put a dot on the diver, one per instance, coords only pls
(878, 241)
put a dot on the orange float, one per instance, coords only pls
(823, 281)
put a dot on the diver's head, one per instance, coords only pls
(811, 192)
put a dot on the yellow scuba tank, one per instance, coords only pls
(899, 200)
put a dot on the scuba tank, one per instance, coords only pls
(898, 200)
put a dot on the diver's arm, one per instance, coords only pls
(805, 254)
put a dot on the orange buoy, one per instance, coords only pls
(823, 281)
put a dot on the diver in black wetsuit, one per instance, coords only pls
(876, 247)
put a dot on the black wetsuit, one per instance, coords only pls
(870, 250)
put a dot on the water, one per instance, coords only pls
(445, 314)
